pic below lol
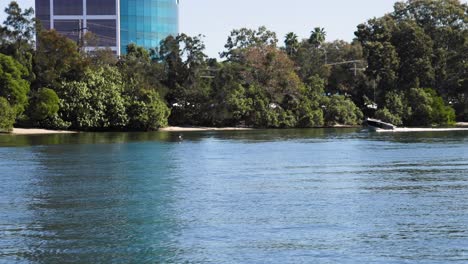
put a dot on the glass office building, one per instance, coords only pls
(115, 23)
(147, 22)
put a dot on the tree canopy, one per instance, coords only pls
(408, 67)
(422, 43)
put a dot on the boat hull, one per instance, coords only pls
(376, 125)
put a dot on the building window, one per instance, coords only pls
(68, 7)
(105, 32)
(101, 7)
(43, 8)
(69, 28)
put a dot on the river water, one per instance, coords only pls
(264, 196)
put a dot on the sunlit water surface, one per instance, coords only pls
(267, 196)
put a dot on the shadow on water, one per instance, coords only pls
(89, 203)
(82, 138)
(420, 137)
(111, 138)
(246, 136)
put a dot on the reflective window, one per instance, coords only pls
(43, 13)
(68, 7)
(42, 7)
(68, 28)
(105, 32)
(101, 7)
(147, 22)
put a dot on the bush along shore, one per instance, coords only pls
(408, 68)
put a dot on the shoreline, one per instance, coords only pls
(38, 131)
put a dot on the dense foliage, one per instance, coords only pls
(7, 116)
(422, 43)
(383, 73)
(14, 88)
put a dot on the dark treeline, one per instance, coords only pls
(408, 67)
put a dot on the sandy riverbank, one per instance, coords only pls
(37, 131)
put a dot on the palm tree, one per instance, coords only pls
(292, 43)
(317, 37)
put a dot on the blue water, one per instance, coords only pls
(267, 196)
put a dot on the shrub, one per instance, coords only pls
(7, 116)
(148, 112)
(44, 104)
(13, 87)
(429, 109)
(341, 110)
(385, 115)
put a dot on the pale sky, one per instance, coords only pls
(216, 18)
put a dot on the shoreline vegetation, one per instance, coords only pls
(406, 67)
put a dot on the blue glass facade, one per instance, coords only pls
(147, 22)
(115, 23)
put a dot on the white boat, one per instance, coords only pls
(377, 125)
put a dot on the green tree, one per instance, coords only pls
(57, 59)
(382, 57)
(309, 110)
(446, 23)
(340, 110)
(420, 102)
(244, 38)
(188, 79)
(422, 43)
(262, 114)
(7, 116)
(228, 96)
(395, 109)
(13, 86)
(135, 52)
(442, 114)
(291, 43)
(343, 78)
(147, 111)
(43, 104)
(17, 36)
(19, 25)
(385, 115)
(317, 37)
(429, 109)
(143, 87)
(414, 49)
(95, 102)
(260, 88)
(272, 70)
(103, 57)
(139, 71)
